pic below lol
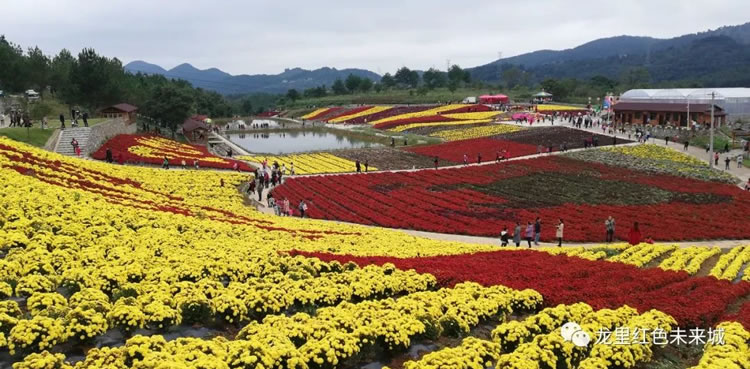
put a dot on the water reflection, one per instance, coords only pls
(284, 142)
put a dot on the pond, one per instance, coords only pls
(288, 142)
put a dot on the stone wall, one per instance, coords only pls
(100, 133)
(52, 140)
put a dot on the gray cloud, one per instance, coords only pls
(266, 37)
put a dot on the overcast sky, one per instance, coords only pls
(251, 37)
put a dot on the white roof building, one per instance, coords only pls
(734, 100)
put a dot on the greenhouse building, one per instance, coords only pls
(734, 101)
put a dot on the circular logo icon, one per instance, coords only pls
(568, 329)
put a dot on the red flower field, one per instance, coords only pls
(692, 301)
(480, 200)
(454, 150)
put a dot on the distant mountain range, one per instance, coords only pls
(225, 83)
(718, 57)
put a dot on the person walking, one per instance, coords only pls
(634, 236)
(716, 159)
(685, 146)
(517, 234)
(367, 165)
(609, 225)
(479, 158)
(302, 208)
(537, 230)
(559, 232)
(287, 210)
(76, 147)
(85, 118)
(466, 159)
(62, 121)
(666, 140)
(356, 165)
(108, 155)
(529, 233)
(739, 160)
(436, 162)
(504, 237)
(726, 147)
(726, 162)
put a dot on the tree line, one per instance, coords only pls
(91, 81)
(404, 78)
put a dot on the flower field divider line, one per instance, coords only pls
(489, 161)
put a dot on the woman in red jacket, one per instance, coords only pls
(634, 236)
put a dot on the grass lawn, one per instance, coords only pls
(35, 136)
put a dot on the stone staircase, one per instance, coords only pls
(82, 134)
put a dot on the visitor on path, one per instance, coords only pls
(283, 169)
(634, 236)
(2, 119)
(260, 190)
(559, 232)
(716, 159)
(726, 162)
(44, 122)
(291, 168)
(504, 237)
(517, 234)
(62, 121)
(479, 158)
(466, 159)
(221, 182)
(537, 230)
(685, 146)
(497, 156)
(165, 163)
(539, 150)
(302, 208)
(195, 164)
(747, 185)
(287, 211)
(270, 200)
(529, 233)
(108, 155)
(357, 166)
(251, 186)
(726, 147)
(393, 142)
(184, 164)
(367, 165)
(739, 160)
(76, 147)
(609, 225)
(505, 155)
(85, 118)
(436, 162)
(666, 140)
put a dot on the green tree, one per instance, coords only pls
(338, 87)
(292, 94)
(96, 80)
(388, 81)
(60, 69)
(13, 73)
(38, 67)
(352, 83)
(458, 75)
(170, 106)
(246, 107)
(635, 77)
(407, 77)
(365, 85)
(434, 78)
(378, 87)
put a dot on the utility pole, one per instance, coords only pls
(711, 134)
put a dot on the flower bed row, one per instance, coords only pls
(692, 301)
(655, 159)
(314, 163)
(153, 149)
(481, 200)
(476, 132)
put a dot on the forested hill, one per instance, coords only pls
(719, 57)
